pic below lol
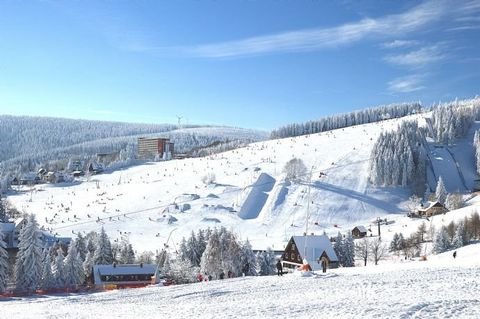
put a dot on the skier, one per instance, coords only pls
(279, 268)
(454, 254)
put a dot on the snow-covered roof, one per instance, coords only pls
(313, 247)
(7, 227)
(430, 205)
(362, 229)
(127, 269)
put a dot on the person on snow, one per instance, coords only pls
(324, 262)
(454, 254)
(222, 275)
(279, 268)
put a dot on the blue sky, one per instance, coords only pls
(249, 63)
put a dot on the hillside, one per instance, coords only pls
(167, 200)
(28, 143)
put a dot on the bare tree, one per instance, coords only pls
(413, 203)
(378, 250)
(362, 250)
(295, 169)
(422, 230)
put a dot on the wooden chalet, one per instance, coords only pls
(434, 208)
(311, 249)
(359, 232)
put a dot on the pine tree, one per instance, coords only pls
(338, 247)
(459, 240)
(266, 263)
(441, 243)
(4, 267)
(248, 259)
(28, 265)
(80, 242)
(74, 274)
(103, 251)
(88, 267)
(59, 269)
(440, 191)
(349, 251)
(48, 280)
(394, 244)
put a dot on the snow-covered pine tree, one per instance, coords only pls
(266, 263)
(58, 269)
(88, 267)
(211, 259)
(103, 251)
(28, 265)
(394, 244)
(460, 238)
(441, 242)
(126, 254)
(81, 244)
(48, 280)
(349, 251)
(74, 274)
(440, 191)
(339, 248)
(248, 259)
(4, 265)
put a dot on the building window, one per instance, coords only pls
(293, 256)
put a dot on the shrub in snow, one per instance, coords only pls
(209, 178)
(28, 265)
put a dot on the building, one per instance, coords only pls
(311, 249)
(122, 276)
(155, 148)
(359, 232)
(434, 208)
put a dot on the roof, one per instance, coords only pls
(362, 229)
(124, 269)
(430, 205)
(314, 246)
(7, 227)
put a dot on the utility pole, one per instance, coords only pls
(378, 223)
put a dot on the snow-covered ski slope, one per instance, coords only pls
(159, 201)
(441, 287)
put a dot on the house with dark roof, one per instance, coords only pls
(359, 232)
(309, 249)
(433, 208)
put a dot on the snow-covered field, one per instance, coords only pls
(441, 287)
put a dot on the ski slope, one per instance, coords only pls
(441, 287)
(164, 201)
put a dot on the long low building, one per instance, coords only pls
(123, 275)
(151, 148)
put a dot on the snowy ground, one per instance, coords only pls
(438, 288)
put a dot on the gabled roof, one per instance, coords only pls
(362, 229)
(430, 205)
(314, 246)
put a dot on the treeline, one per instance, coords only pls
(456, 235)
(217, 254)
(398, 158)
(347, 119)
(453, 120)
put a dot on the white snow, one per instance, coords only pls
(441, 287)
